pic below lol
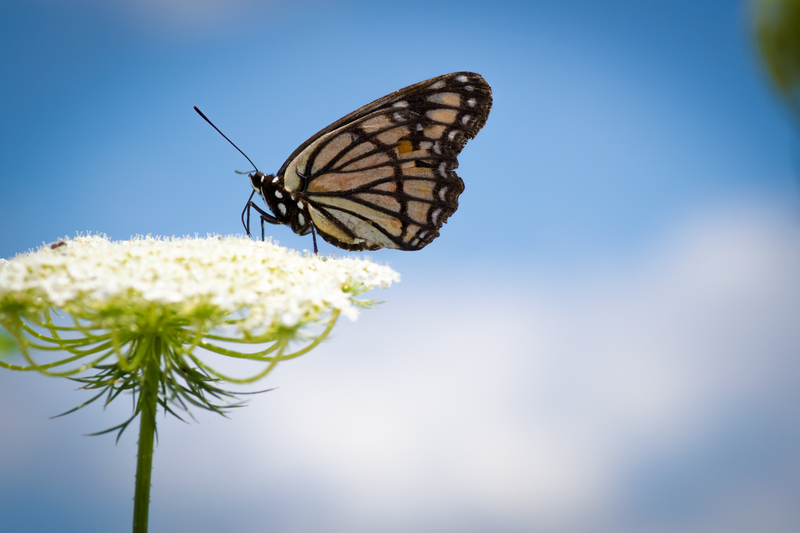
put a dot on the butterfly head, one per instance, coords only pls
(258, 179)
(266, 186)
(271, 190)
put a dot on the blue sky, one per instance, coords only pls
(604, 331)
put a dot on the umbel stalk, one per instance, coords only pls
(148, 401)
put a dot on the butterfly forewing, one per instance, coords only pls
(384, 175)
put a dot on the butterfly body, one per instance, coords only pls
(288, 206)
(384, 175)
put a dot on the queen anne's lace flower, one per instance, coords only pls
(270, 285)
(139, 316)
(122, 309)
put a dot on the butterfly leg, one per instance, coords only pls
(246, 210)
(265, 217)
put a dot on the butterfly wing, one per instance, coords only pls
(384, 176)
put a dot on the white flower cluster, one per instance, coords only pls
(270, 285)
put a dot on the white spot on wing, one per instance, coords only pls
(469, 87)
(401, 103)
(462, 79)
(300, 219)
(465, 119)
(442, 193)
(282, 209)
(452, 134)
(437, 85)
(278, 194)
(471, 102)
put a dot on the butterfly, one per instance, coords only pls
(382, 176)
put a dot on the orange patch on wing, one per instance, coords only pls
(404, 147)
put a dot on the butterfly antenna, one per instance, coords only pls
(226, 138)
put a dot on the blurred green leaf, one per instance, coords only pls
(777, 31)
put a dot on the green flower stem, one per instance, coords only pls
(148, 403)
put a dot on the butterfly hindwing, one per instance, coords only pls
(384, 176)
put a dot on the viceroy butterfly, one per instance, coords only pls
(382, 176)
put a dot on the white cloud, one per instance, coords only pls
(531, 406)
